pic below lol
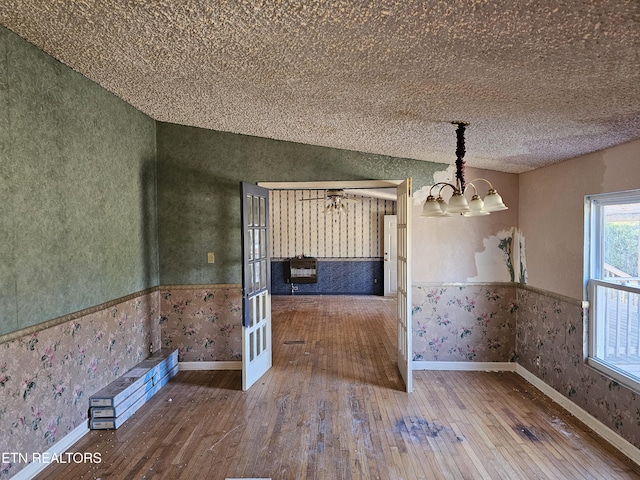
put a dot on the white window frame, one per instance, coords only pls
(594, 252)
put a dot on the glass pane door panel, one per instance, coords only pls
(249, 209)
(256, 243)
(263, 243)
(257, 276)
(256, 211)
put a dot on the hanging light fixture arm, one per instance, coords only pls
(444, 184)
(477, 180)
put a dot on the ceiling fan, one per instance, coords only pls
(336, 199)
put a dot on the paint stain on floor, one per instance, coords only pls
(422, 430)
(530, 433)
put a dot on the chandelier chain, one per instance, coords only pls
(460, 151)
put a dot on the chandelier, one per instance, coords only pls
(458, 204)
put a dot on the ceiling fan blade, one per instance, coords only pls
(382, 193)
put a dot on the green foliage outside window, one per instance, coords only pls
(621, 246)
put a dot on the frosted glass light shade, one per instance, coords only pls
(443, 206)
(431, 208)
(476, 205)
(458, 204)
(493, 202)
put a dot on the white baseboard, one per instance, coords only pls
(57, 449)
(585, 417)
(228, 365)
(465, 366)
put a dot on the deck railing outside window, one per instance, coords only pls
(617, 336)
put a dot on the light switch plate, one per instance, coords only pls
(211, 257)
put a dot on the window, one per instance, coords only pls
(614, 285)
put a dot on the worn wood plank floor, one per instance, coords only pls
(332, 407)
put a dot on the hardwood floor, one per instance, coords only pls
(332, 407)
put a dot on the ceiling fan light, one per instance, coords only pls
(458, 204)
(493, 202)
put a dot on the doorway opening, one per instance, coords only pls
(338, 228)
(403, 299)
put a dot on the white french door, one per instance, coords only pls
(256, 284)
(390, 246)
(405, 353)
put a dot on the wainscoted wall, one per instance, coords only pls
(47, 377)
(467, 323)
(464, 323)
(81, 183)
(335, 277)
(203, 322)
(550, 335)
(299, 225)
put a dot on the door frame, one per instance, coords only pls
(338, 184)
(329, 185)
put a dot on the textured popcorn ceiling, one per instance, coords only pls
(539, 81)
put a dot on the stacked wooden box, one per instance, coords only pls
(116, 402)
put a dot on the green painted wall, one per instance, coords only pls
(78, 220)
(199, 175)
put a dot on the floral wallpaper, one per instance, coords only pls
(204, 324)
(46, 378)
(464, 323)
(550, 338)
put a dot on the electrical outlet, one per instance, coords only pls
(211, 257)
